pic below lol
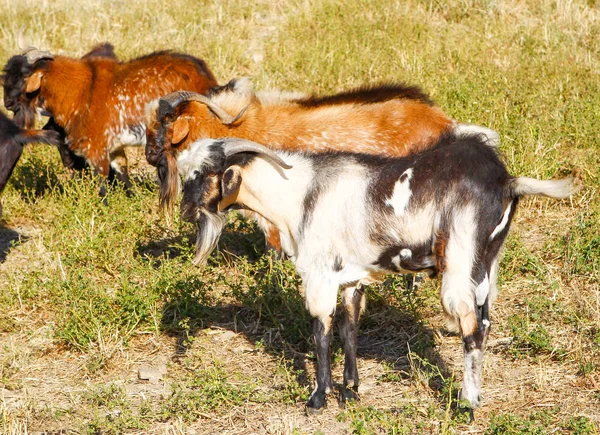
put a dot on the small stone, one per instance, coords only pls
(227, 335)
(152, 374)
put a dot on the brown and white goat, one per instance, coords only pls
(12, 139)
(99, 101)
(15, 74)
(347, 219)
(389, 120)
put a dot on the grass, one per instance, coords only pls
(90, 293)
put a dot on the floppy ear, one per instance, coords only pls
(34, 82)
(230, 186)
(231, 181)
(181, 128)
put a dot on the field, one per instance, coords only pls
(92, 294)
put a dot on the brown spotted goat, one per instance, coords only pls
(99, 101)
(388, 120)
(15, 74)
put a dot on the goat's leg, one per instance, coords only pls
(353, 302)
(321, 301)
(322, 334)
(118, 162)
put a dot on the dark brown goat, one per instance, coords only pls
(12, 139)
(99, 102)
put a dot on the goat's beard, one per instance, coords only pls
(210, 226)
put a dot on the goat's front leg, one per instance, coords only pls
(118, 162)
(353, 302)
(321, 302)
(322, 334)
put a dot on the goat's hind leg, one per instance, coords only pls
(353, 302)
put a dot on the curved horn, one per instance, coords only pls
(34, 55)
(236, 145)
(22, 43)
(31, 53)
(176, 98)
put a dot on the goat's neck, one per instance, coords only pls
(66, 87)
(275, 193)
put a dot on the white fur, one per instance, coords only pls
(471, 386)
(466, 130)
(503, 222)
(194, 158)
(402, 193)
(552, 188)
(457, 285)
(482, 290)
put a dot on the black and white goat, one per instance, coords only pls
(347, 219)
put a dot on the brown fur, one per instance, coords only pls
(91, 97)
(396, 127)
(375, 121)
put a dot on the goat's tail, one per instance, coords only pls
(49, 137)
(522, 186)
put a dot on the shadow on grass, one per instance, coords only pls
(271, 315)
(8, 239)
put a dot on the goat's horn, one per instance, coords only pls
(236, 145)
(31, 53)
(34, 55)
(22, 43)
(176, 98)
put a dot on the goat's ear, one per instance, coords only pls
(34, 82)
(230, 185)
(181, 128)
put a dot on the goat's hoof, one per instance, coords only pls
(468, 412)
(348, 395)
(315, 404)
(313, 411)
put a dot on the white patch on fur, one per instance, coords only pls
(482, 290)
(493, 291)
(486, 323)
(457, 285)
(402, 193)
(320, 294)
(406, 254)
(471, 386)
(151, 110)
(194, 158)
(491, 137)
(503, 222)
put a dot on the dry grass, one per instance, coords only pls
(92, 293)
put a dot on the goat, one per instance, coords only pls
(12, 139)
(392, 120)
(99, 101)
(15, 74)
(347, 219)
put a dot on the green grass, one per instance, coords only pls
(100, 290)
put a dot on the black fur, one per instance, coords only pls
(369, 95)
(12, 139)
